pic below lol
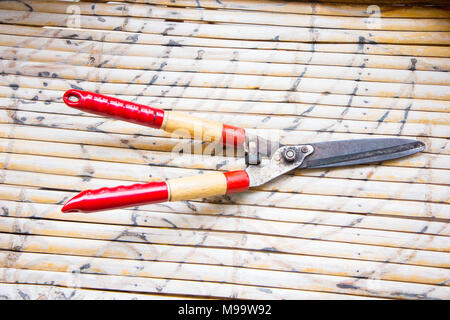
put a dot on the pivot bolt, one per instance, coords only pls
(305, 149)
(289, 155)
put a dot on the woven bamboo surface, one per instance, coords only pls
(302, 72)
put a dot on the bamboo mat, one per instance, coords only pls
(302, 72)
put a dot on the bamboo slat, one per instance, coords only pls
(422, 2)
(225, 240)
(224, 16)
(234, 81)
(161, 287)
(12, 291)
(290, 71)
(11, 83)
(65, 59)
(268, 123)
(310, 57)
(172, 271)
(183, 221)
(339, 9)
(252, 32)
(130, 38)
(220, 257)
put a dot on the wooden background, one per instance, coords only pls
(298, 71)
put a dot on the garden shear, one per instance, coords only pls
(265, 159)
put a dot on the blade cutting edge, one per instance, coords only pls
(359, 151)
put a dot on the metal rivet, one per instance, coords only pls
(289, 155)
(305, 149)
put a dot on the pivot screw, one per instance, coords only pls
(305, 149)
(289, 155)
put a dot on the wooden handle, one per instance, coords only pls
(203, 129)
(207, 185)
(200, 186)
(196, 128)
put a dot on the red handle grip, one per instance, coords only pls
(172, 190)
(115, 108)
(148, 116)
(118, 197)
(237, 181)
(233, 136)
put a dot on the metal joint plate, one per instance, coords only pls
(283, 160)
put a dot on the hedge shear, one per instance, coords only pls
(265, 159)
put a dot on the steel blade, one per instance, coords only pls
(359, 151)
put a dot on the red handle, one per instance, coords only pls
(118, 197)
(115, 108)
(237, 181)
(152, 117)
(187, 188)
(233, 136)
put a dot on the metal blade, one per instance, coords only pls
(359, 151)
